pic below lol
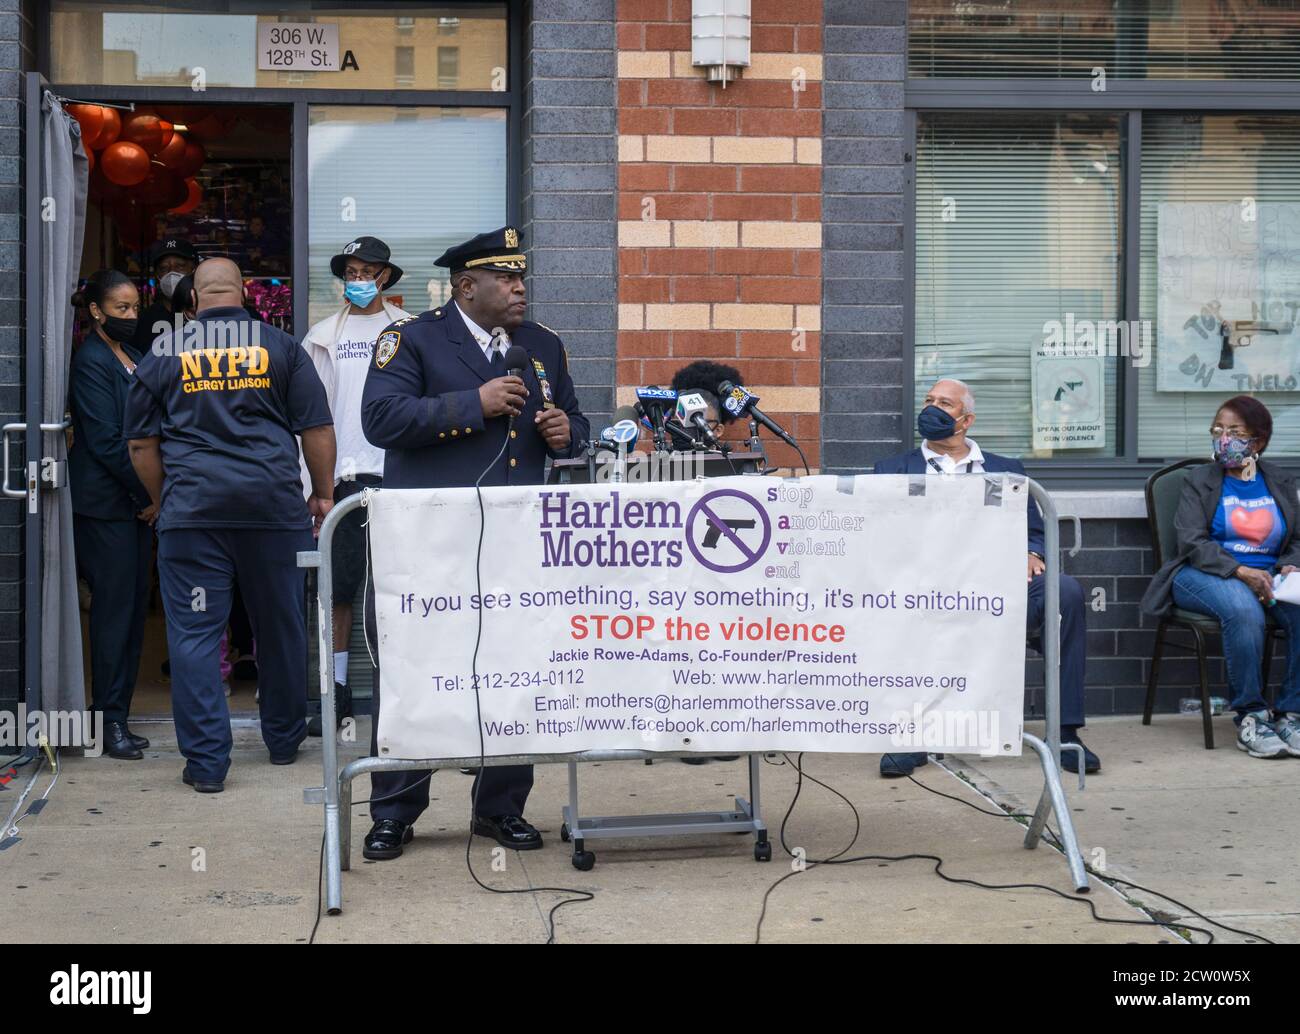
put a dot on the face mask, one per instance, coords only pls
(360, 292)
(935, 424)
(120, 330)
(167, 285)
(1231, 452)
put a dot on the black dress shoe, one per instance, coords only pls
(139, 741)
(288, 759)
(342, 709)
(118, 745)
(509, 831)
(200, 785)
(385, 839)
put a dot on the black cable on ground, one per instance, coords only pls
(837, 859)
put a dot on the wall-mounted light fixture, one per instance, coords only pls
(720, 38)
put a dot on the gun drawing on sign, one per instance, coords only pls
(1236, 334)
(715, 531)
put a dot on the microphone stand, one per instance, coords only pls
(756, 445)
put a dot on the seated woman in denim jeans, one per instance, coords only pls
(1236, 522)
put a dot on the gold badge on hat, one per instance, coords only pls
(512, 237)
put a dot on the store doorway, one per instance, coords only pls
(219, 177)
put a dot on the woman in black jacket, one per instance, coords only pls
(112, 514)
(1236, 524)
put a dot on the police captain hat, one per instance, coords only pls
(366, 249)
(497, 250)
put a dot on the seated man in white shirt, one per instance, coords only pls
(943, 425)
(340, 346)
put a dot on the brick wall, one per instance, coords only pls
(719, 208)
(569, 175)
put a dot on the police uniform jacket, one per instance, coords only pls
(421, 405)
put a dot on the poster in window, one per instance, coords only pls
(1069, 401)
(1228, 296)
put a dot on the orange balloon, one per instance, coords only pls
(191, 202)
(145, 130)
(195, 156)
(173, 152)
(112, 129)
(168, 131)
(125, 163)
(90, 159)
(91, 119)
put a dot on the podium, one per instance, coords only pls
(745, 817)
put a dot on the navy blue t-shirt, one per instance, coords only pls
(227, 399)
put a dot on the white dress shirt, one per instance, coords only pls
(942, 463)
(484, 339)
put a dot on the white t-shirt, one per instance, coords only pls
(351, 361)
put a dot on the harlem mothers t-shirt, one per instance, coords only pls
(1249, 522)
(351, 363)
(228, 395)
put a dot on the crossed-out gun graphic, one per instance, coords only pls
(715, 530)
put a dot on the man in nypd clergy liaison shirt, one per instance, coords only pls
(437, 399)
(943, 425)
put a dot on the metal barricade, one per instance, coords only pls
(336, 793)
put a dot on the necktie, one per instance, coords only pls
(498, 363)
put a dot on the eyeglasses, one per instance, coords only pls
(361, 274)
(1240, 433)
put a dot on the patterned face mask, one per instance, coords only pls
(1232, 452)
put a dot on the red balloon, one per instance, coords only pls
(173, 152)
(90, 160)
(91, 119)
(195, 195)
(125, 163)
(112, 129)
(210, 127)
(168, 131)
(163, 188)
(192, 162)
(146, 131)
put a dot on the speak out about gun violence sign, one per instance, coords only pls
(727, 615)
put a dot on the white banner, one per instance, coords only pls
(863, 615)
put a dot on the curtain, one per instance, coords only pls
(64, 173)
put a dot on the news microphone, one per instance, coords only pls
(626, 413)
(624, 432)
(517, 361)
(737, 400)
(690, 413)
(654, 403)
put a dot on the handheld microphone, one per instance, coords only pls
(690, 413)
(738, 401)
(517, 361)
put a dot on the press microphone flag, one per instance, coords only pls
(738, 400)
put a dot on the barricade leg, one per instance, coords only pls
(1053, 800)
(345, 821)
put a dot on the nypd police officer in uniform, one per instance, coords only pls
(211, 419)
(438, 399)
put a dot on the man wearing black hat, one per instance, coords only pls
(170, 260)
(340, 347)
(438, 399)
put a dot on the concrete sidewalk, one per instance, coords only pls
(123, 851)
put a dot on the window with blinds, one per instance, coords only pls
(1220, 275)
(1018, 221)
(1129, 39)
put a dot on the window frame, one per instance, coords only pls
(300, 101)
(1127, 99)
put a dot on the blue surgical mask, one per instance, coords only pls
(935, 424)
(360, 292)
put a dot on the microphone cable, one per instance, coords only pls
(839, 859)
(579, 894)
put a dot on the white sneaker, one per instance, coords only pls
(1288, 731)
(225, 685)
(1257, 737)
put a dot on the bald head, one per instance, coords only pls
(217, 283)
(956, 392)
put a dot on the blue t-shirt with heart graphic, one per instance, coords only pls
(1248, 522)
